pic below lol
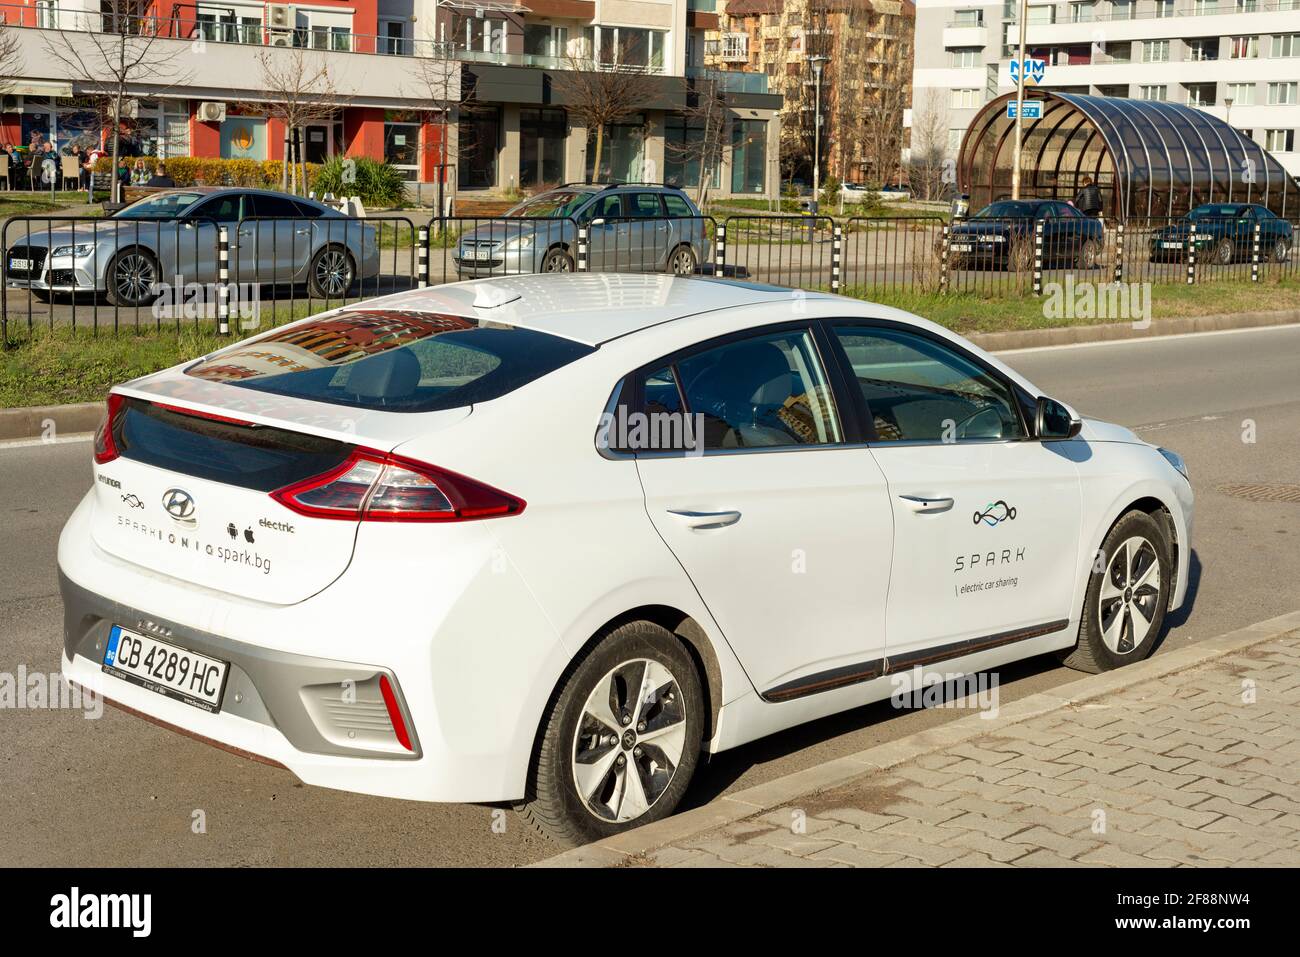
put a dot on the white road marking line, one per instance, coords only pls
(57, 440)
(1145, 339)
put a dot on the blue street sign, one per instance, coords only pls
(1035, 70)
(1033, 109)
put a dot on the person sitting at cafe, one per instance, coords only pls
(160, 178)
(16, 164)
(139, 173)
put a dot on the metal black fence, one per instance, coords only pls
(114, 274)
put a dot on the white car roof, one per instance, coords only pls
(588, 308)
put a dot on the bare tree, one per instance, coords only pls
(300, 91)
(706, 121)
(439, 81)
(600, 94)
(11, 60)
(109, 52)
(928, 155)
(874, 130)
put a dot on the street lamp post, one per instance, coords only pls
(817, 62)
(1227, 104)
(1020, 101)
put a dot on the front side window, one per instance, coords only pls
(767, 391)
(918, 390)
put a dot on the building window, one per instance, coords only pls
(1281, 93)
(1042, 14)
(954, 139)
(1158, 91)
(479, 135)
(1120, 52)
(749, 156)
(1247, 6)
(1241, 94)
(1083, 12)
(1200, 94)
(1121, 10)
(1203, 48)
(47, 14)
(542, 40)
(1279, 141)
(685, 152)
(965, 99)
(968, 18)
(1155, 51)
(542, 134)
(1244, 48)
(1287, 44)
(1164, 9)
(1205, 7)
(1120, 90)
(392, 40)
(402, 148)
(966, 57)
(627, 46)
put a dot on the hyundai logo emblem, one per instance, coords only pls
(179, 504)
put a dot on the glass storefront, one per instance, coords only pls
(402, 148)
(748, 156)
(479, 132)
(622, 153)
(684, 154)
(541, 147)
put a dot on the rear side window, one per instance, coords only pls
(392, 360)
(646, 206)
(677, 206)
(278, 207)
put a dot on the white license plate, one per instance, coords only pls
(483, 255)
(165, 668)
(962, 247)
(20, 264)
(1171, 245)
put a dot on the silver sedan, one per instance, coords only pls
(172, 238)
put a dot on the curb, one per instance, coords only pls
(615, 851)
(34, 421)
(1119, 331)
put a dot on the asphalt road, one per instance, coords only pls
(120, 791)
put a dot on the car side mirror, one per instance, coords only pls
(1055, 420)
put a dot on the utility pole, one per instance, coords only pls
(1020, 101)
(817, 62)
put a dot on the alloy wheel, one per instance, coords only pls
(1129, 596)
(629, 740)
(556, 261)
(683, 263)
(134, 277)
(333, 274)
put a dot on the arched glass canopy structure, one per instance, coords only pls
(1149, 158)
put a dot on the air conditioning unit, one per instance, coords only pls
(212, 112)
(281, 38)
(280, 16)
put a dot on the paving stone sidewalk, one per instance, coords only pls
(1193, 767)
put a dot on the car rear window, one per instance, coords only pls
(393, 360)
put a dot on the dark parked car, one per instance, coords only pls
(1225, 233)
(1002, 235)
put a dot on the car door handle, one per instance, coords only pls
(926, 504)
(705, 520)
(305, 231)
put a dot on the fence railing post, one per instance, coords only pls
(583, 242)
(837, 256)
(1254, 255)
(223, 280)
(943, 260)
(1119, 252)
(1191, 254)
(720, 251)
(1038, 257)
(424, 256)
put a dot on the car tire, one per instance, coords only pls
(579, 741)
(557, 260)
(1088, 256)
(131, 276)
(331, 273)
(682, 261)
(1281, 251)
(1120, 596)
(1224, 254)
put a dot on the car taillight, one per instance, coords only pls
(105, 445)
(373, 487)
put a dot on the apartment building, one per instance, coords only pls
(864, 51)
(1236, 59)
(464, 92)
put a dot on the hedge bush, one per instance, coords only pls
(211, 171)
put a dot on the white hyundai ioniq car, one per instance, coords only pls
(543, 540)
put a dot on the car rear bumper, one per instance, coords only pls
(471, 656)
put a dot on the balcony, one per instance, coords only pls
(729, 48)
(730, 81)
(965, 35)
